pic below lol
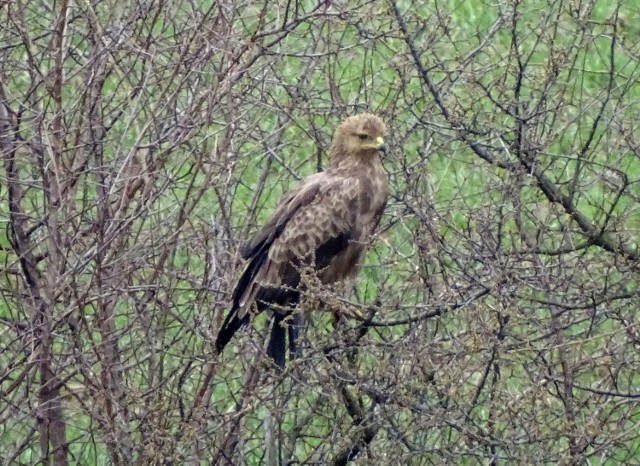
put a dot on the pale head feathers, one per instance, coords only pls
(358, 135)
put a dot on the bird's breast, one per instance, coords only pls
(373, 195)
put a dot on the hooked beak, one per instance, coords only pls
(381, 146)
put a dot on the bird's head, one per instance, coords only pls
(359, 135)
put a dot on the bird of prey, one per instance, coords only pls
(321, 225)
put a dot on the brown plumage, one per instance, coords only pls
(323, 224)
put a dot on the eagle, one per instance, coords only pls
(322, 225)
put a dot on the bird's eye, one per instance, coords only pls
(363, 136)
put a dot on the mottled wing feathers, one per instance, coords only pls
(314, 233)
(332, 213)
(292, 201)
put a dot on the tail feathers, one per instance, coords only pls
(231, 325)
(248, 291)
(280, 331)
(276, 349)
